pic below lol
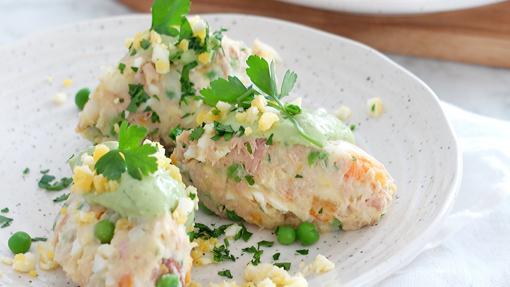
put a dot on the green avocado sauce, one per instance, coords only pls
(319, 124)
(152, 196)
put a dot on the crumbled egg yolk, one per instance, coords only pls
(343, 113)
(83, 217)
(267, 120)
(46, 256)
(59, 98)
(24, 262)
(248, 131)
(260, 103)
(206, 117)
(201, 252)
(249, 116)
(68, 83)
(82, 179)
(155, 38)
(277, 275)
(99, 151)
(375, 107)
(204, 58)
(123, 224)
(160, 55)
(183, 45)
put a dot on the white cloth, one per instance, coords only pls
(473, 245)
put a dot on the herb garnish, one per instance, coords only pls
(233, 216)
(284, 265)
(5, 221)
(4, 210)
(121, 67)
(61, 198)
(196, 133)
(49, 183)
(222, 253)
(257, 253)
(187, 89)
(131, 155)
(37, 239)
(175, 132)
(302, 251)
(204, 231)
(26, 171)
(276, 256)
(225, 273)
(138, 97)
(145, 44)
(265, 243)
(315, 156)
(243, 234)
(168, 13)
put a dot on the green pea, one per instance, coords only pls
(104, 231)
(20, 242)
(81, 98)
(168, 280)
(307, 233)
(285, 234)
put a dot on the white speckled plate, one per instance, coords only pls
(413, 138)
(393, 7)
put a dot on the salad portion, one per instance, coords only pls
(125, 223)
(275, 163)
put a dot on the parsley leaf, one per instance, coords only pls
(257, 253)
(233, 216)
(49, 183)
(284, 265)
(5, 221)
(187, 89)
(111, 165)
(315, 156)
(175, 132)
(222, 253)
(121, 67)
(235, 171)
(258, 71)
(288, 83)
(37, 239)
(138, 97)
(230, 91)
(145, 44)
(276, 256)
(4, 210)
(243, 234)
(196, 133)
(26, 171)
(302, 251)
(225, 273)
(61, 198)
(168, 13)
(265, 243)
(130, 155)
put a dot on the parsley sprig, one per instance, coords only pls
(131, 155)
(263, 76)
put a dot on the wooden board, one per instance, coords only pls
(480, 35)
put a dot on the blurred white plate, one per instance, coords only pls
(393, 6)
(413, 138)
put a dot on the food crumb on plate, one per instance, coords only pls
(59, 98)
(343, 113)
(68, 83)
(319, 265)
(375, 107)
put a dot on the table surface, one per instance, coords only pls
(479, 89)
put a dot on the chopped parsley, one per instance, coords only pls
(265, 243)
(192, 195)
(131, 155)
(26, 171)
(230, 90)
(187, 88)
(186, 115)
(302, 251)
(225, 273)
(135, 69)
(37, 239)
(4, 210)
(225, 131)
(203, 231)
(257, 253)
(196, 133)
(298, 176)
(175, 132)
(315, 156)
(61, 198)
(269, 140)
(145, 44)
(243, 234)
(138, 97)
(5, 221)
(276, 256)
(249, 179)
(352, 127)
(49, 182)
(248, 147)
(233, 216)
(235, 172)
(154, 115)
(121, 67)
(222, 253)
(284, 265)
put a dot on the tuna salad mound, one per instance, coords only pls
(125, 223)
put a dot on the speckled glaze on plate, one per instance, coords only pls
(392, 7)
(412, 138)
